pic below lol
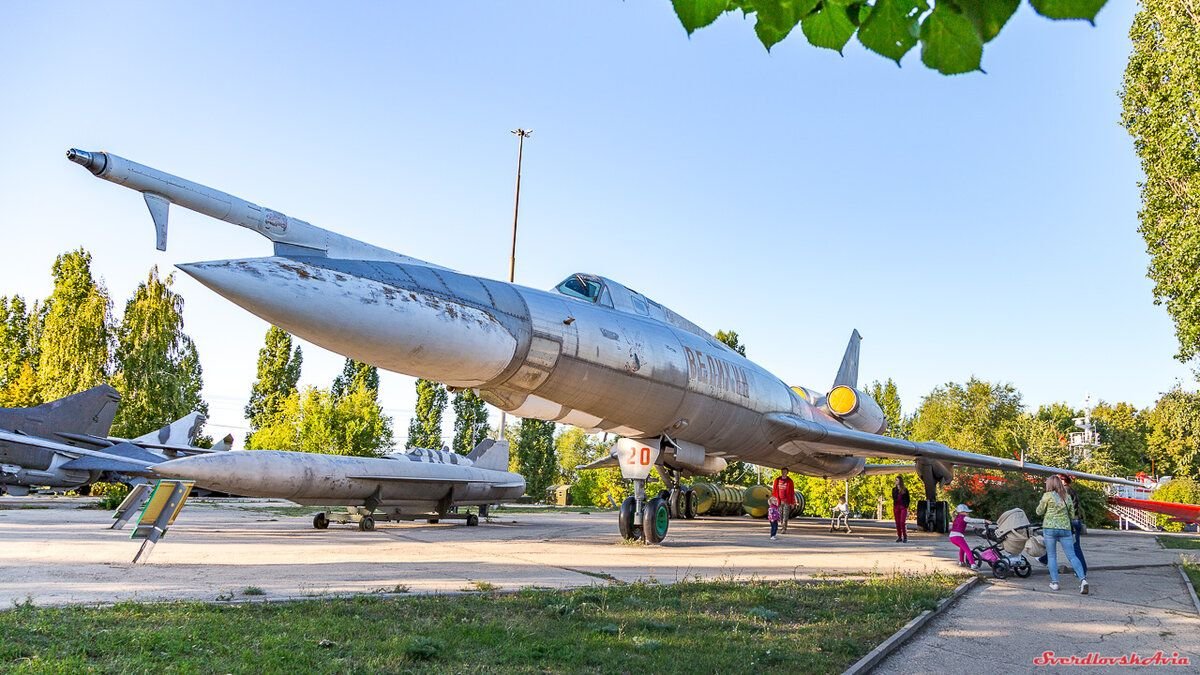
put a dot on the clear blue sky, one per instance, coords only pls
(975, 225)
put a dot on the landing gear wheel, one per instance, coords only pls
(432, 521)
(472, 520)
(655, 520)
(1001, 569)
(689, 503)
(625, 520)
(941, 517)
(321, 521)
(1023, 569)
(367, 524)
(798, 508)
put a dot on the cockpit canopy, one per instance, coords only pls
(608, 293)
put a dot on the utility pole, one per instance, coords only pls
(521, 135)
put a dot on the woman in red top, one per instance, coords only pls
(900, 509)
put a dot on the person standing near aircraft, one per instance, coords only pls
(1076, 522)
(1059, 509)
(900, 503)
(784, 490)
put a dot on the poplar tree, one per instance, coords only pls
(888, 398)
(425, 428)
(315, 420)
(74, 341)
(18, 353)
(470, 421)
(1161, 111)
(278, 373)
(535, 458)
(157, 368)
(353, 373)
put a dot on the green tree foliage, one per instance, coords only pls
(888, 398)
(1174, 440)
(157, 368)
(951, 32)
(74, 344)
(991, 493)
(470, 421)
(1123, 431)
(314, 420)
(730, 339)
(425, 428)
(534, 454)
(1060, 415)
(278, 373)
(1162, 112)
(19, 335)
(977, 416)
(1178, 491)
(353, 373)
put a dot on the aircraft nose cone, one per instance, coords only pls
(215, 472)
(403, 330)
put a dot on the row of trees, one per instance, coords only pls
(72, 341)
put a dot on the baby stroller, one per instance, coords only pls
(1007, 539)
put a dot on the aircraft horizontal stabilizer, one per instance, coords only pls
(786, 427)
(118, 464)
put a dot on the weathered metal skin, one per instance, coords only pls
(332, 480)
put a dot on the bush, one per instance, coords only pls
(111, 494)
(990, 495)
(1178, 491)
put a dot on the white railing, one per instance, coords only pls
(1128, 517)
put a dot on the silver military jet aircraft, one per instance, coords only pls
(589, 353)
(418, 483)
(65, 443)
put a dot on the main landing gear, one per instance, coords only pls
(933, 515)
(649, 519)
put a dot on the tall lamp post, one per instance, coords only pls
(521, 135)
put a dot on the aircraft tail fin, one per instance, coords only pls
(182, 431)
(848, 372)
(89, 412)
(490, 454)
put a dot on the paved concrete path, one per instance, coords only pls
(56, 553)
(1005, 626)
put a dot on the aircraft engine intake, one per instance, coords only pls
(856, 409)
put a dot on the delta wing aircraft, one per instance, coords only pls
(590, 353)
(65, 443)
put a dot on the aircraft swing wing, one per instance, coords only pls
(786, 427)
(121, 457)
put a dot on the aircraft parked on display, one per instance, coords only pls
(589, 353)
(408, 485)
(65, 444)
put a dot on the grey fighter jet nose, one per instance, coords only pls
(92, 161)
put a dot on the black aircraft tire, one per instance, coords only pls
(432, 521)
(689, 504)
(321, 521)
(472, 520)
(798, 509)
(367, 524)
(656, 519)
(922, 515)
(941, 517)
(625, 519)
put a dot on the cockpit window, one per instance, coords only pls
(579, 286)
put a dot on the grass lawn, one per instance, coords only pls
(1180, 542)
(720, 626)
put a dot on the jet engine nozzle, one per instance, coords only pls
(95, 162)
(856, 409)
